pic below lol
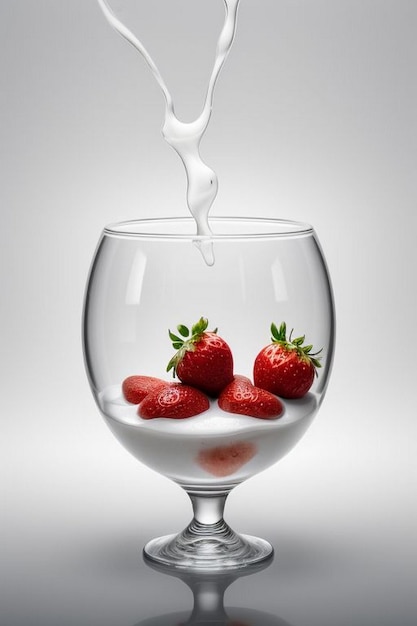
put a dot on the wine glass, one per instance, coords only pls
(150, 276)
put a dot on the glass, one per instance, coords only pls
(149, 276)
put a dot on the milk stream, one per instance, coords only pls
(185, 137)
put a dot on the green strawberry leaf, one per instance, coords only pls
(274, 332)
(200, 326)
(187, 342)
(279, 335)
(299, 341)
(174, 337)
(171, 365)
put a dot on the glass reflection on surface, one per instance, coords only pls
(208, 589)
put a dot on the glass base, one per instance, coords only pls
(214, 547)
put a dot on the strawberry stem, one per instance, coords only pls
(279, 335)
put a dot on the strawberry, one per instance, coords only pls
(240, 396)
(135, 388)
(286, 367)
(226, 460)
(203, 359)
(173, 400)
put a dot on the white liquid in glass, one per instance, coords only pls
(212, 448)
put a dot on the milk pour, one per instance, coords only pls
(185, 137)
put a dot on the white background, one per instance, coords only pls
(314, 119)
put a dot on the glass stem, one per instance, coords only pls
(208, 543)
(208, 601)
(208, 508)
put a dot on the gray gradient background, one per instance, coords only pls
(315, 119)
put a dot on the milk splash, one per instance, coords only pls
(185, 137)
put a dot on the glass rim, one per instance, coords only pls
(261, 227)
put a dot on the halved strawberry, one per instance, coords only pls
(240, 396)
(286, 367)
(226, 460)
(203, 359)
(173, 400)
(135, 388)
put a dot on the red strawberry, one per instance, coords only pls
(173, 400)
(135, 388)
(226, 460)
(240, 396)
(286, 367)
(203, 360)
